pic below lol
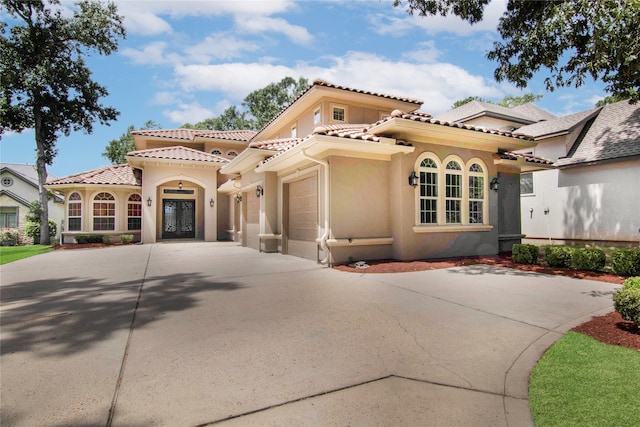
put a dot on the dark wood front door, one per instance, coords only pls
(178, 219)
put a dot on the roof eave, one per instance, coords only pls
(140, 162)
(248, 159)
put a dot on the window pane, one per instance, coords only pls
(526, 183)
(453, 165)
(338, 114)
(134, 223)
(475, 212)
(102, 224)
(453, 212)
(428, 211)
(75, 224)
(476, 187)
(454, 186)
(475, 168)
(428, 184)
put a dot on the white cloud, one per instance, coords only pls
(425, 53)
(164, 98)
(219, 46)
(188, 113)
(263, 24)
(439, 85)
(153, 53)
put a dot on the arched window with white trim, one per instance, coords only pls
(428, 191)
(74, 212)
(476, 193)
(216, 152)
(453, 192)
(104, 212)
(134, 212)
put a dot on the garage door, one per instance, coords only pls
(253, 220)
(303, 218)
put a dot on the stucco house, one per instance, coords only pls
(18, 188)
(340, 174)
(592, 193)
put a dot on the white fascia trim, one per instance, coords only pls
(246, 160)
(360, 242)
(450, 228)
(523, 165)
(229, 187)
(141, 162)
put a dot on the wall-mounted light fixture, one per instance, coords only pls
(238, 198)
(413, 179)
(212, 202)
(259, 191)
(180, 185)
(149, 201)
(494, 184)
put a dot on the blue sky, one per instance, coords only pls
(184, 61)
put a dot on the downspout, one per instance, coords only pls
(325, 235)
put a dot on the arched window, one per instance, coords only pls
(428, 191)
(104, 212)
(476, 194)
(453, 193)
(134, 212)
(216, 152)
(74, 212)
(232, 154)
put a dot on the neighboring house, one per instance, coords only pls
(18, 188)
(592, 193)
(340, 174)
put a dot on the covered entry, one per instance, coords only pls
(302, 218)
(178, 219)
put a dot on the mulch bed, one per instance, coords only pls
(609, 329)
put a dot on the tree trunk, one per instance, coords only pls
(41, 167)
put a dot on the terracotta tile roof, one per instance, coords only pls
(614, 134)
(353, 131)
(178, 153)
(192, 134)
(527, 113)
(529, 158)
(427, 118)
(106, 175)
(555, 126)
(280, 144)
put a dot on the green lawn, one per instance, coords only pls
(14, 253)
(582, 382)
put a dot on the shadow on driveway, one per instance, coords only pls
(69, 315)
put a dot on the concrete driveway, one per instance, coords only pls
(191, 334)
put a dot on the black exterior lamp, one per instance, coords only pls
(149, 201)
(259, 191)
(212, 202)
(494, 184)
(238, 198)
(413, 179)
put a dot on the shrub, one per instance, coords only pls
(106, 239)
(9, 237)
(81, 240)
(95, 238)
(523, 253)
(626, 262)
(558, 256)
(126, 238)
(32, 229)
(627, 302)
(632, 283)
(590, 259)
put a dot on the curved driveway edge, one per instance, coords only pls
(224, 335)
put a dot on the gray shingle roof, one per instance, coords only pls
(555, 126)
(527, 113)
(613, 135)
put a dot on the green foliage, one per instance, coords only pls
(90, 238)
(632, 283)
(9, 237)
(231, 119)
(590, 259)
(106, 239)
(117, 149)
(626, 262)
(523, 253)
(264, 104)
(461, 102)
(508, 101)
(582, 382)
(611, 99)
(558, 256)
(45, 83)
(32, 229)
(126, 238)
(626, 301)
(13, 253)
(570, 40)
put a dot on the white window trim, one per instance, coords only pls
(317, 110)
(141, 203)
(69, 203)
(346, 116)
(442, 226)
(115, 211)
(294, 131)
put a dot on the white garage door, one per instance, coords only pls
(303, 218)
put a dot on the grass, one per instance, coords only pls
(582, 382)
(13, 253)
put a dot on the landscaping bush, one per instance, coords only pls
(81, 240)
(32, 229)
(632, 283)
(523, 253)
(590, 259)
(558, 256)
(95, 238)
(106, 239)
(626, 262)
(9, 237)
(627, 302)
(126, 238)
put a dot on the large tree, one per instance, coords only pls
(572, 39)
(117, 149)
(45, 82)
(231, 119)
(508, 101)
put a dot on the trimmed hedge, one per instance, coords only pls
(627, 300)
(626, 262)
(558, 256)
(590, 259)
(90, 238)
(523, 253)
